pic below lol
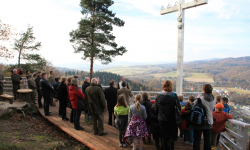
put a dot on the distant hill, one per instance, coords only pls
(225, 72)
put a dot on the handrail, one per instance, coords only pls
(8, 86)
(241, 135)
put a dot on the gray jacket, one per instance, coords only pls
(208, 102)
(133, 111)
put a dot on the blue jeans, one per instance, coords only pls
(191, 134)
(77, 114)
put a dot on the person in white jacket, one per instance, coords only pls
(119, 86)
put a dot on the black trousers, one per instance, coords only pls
(71, 116)
(185, 132)
(111, 114)
(47, 100)
(206, 136)
(77, 114)
(63, 109)
(60, 108)
(39, 92)
(181, 131)
(122, 139)
(15, 93)
(168, 129)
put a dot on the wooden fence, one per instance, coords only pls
(8, 83)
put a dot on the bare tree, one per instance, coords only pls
(5, 34)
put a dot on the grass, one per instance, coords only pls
(198, 75)
(39, 137)
(159, 75)
(8, 146)
(126, 71)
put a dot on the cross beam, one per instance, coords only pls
(180, 7)
(184, 6)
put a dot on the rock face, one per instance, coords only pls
(6, 107)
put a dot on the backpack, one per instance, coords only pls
(56, 93)
(198, 115)
(226, 109)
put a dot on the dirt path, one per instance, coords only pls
(34, 133)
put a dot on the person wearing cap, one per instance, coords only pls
(219, 118)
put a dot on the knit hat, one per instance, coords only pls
(219, 105)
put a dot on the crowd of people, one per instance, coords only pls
(135, 121)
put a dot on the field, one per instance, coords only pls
(131, 71)
(159, 75)
(199, 77)
(126, 71)
(234, 90)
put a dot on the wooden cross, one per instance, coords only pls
(180, 7)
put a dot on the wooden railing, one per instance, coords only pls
(241, 136)
(8, 83)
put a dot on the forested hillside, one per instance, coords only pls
(105, 77)
(225, 72)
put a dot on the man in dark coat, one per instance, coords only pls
(87, 114)
(52, 80)
(32, 86)
(97, 105)
(111, 97)
(1, 82)
(16, 80)
(47, 91)
(38, 89)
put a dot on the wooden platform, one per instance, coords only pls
(107, 142)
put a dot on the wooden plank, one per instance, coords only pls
(83, 139)
(87, 137)
(7, 96)
(194, 4)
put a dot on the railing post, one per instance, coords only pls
(243, 131)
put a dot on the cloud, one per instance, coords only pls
(217, 29)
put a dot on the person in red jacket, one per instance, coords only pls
(76, 98)
(220, 119)
(188, 107)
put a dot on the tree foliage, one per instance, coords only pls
(25, 44)
(93, 37)
(5, 34)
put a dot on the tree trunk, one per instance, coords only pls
(91, 67)
(19, 57)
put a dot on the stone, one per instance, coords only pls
(6, 107)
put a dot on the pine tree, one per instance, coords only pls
(93, 36)
(23, 44)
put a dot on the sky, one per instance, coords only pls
(219, 29)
